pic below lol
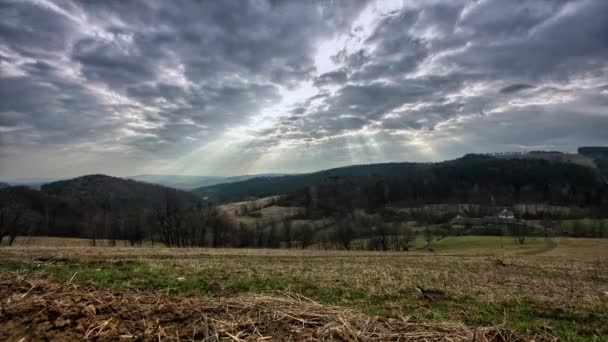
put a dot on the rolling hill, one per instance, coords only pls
(473, 177)
(102, 190)
(268, 186)
(42, 213)
(85, 206)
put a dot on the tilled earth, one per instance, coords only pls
(40, 309)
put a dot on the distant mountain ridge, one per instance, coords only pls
(535, 169)
(191, 182)
(34, 183)
(184, 182)
(147, 190)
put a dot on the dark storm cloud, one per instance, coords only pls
(333, 77)
(146, 75)
(53, 109)
(32, 29)
(396, 51)
(514, 88)
(555, 38)
(160, 80)
(456, 58)
(116, 66)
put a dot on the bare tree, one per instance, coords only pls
(272, 240)
(428, 237)
(287, 231)
(383, 232)
(258, 235)
(519, 231)
(406, 237)
(134, 228)
(306, 235)
(245, 237)
(344, 234)
(11, 220)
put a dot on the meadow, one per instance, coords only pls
(467, 287)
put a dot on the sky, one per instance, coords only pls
(243, 87)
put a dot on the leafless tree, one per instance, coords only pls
(287, 231)
(344, 233)
(11, 220)
(519, 231)
(306, 235)
(428, 237)
(406, 237)
(272, 240)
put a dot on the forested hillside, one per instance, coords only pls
(474, 180)
(268, 186)
(385, 206)
(471, 179)
(26, 211)
(116, 193)
(96, 207)
(599, 156)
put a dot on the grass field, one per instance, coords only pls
(548, 288)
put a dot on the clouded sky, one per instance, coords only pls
(241, 87)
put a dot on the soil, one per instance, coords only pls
(41, 310)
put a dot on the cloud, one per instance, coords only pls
(188, 86)
(330, 78)
(432, 69)
(514, 88)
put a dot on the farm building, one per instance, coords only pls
(502, 218)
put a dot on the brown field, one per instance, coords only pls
(470, 288)
(261, 211)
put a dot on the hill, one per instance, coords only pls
(103, 207)
(473, 178)
(117, 193)
(599, 155)
(192, 182)
(31, 211)
(267, 186)
(34, 183)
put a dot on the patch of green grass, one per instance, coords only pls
(542, 245)
(525, 316)
(9, 265)
(492, 244)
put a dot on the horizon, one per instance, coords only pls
(20, 181)
(223, 89)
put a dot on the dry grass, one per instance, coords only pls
(267, 211)
(557, 291)
(580, 249)
(40, 309)
(42, 241)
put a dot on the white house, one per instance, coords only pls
(506, 214)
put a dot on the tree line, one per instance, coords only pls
(340, 210)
